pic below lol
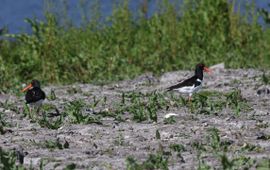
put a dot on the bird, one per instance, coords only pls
(192, 84)
(34, 95)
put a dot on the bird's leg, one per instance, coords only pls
(38, 106)
(38, 109)
(189, 98)
(190, 103)
(30, 110)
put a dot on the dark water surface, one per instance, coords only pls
(13, 12)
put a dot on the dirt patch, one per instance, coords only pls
(226, 125)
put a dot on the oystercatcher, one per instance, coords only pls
(193, 84)
(34, 95)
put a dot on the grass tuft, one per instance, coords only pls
(8, 160)
(154, 161)
(208, 102)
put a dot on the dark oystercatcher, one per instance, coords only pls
(34, 95)
(193, 84)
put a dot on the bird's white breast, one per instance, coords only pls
(37, 103)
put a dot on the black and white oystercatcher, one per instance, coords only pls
(193, 84)
(34, 95)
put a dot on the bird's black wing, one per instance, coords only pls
(34, 95)
(188, 82)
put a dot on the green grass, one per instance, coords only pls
(219, 149)
(177, 147)
(213, 152)
(212, 102)
(75, 113)
(8, 160)
(127, 44)
(136, 106)
(154, 161)
(170, 120)
(51, 144)
(142, 107)
(2, 124)
(51, 96)
(71, 166)
(51, 123)
(265, 78)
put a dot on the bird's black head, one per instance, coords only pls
(35, 83)
(199, 70)
(200, 66)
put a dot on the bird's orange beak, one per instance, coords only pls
(208, 70)
(27, 87)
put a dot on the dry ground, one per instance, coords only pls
(215, 139)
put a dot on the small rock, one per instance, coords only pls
(106, 110)
(262, 136)
(230, 118)
(20, 154)
(263, 91)
(7, 111)
(170, 115)
(227, 142)
(205, 124)
(95, 145)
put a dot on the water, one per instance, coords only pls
(13, 12)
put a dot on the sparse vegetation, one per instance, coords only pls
(157, 135)
(213, 102)
(177, 147)
(207, 127)
(51, 123)
(71, 166)
(52, 144)
(51, 96)
(170, 120)
(119, 140)
(2, 124)
(154, 161)
(74, 111)
(145, 106)
(219, 149)
(265, 78)
(8, 160)
(142, 106)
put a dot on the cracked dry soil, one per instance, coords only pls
(107, 145)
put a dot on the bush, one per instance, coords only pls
(177, 36)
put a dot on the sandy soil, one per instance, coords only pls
(107, 145)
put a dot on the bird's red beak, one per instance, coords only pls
(27, 87)
(207, 70)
